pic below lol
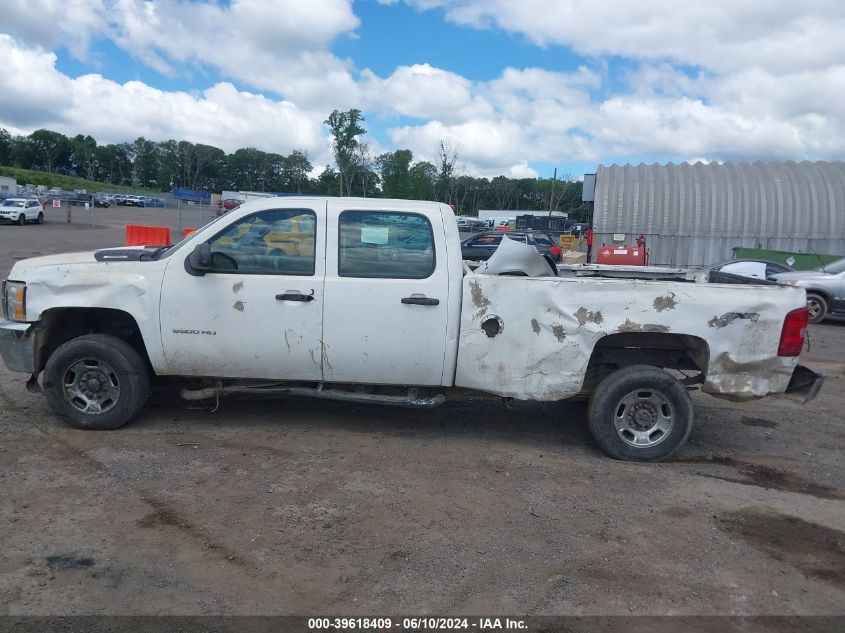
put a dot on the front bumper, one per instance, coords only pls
(17, 345)
(805, 384)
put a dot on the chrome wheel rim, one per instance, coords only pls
(814, 307)
(644, 418)
(91, 386)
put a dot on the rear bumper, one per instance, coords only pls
(17, 346)
(805, 384)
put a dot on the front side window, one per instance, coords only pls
(280, 242)
(388, 245)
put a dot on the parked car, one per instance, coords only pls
(228, 205)
(120, 199)
(81, 199)
(481, 246)
(133, 201)
(471, 225)
(20, 211)
(825, 288)
(751, 268)
(154, 202)
(376, 322)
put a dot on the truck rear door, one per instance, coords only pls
(386, 293)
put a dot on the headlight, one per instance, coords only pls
(14, 294)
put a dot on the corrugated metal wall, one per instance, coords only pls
(695, 214)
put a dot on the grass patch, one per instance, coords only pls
(68, 183)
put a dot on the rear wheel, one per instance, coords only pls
(817, 305)
(640, 413)
(40, 219)
(96, 381)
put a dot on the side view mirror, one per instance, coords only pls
(199, 261)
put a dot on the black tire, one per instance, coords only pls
(120, 373)
(21, 219)
(635, 404)
(40, 219)
(818, 307)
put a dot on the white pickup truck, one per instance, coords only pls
(369, 300)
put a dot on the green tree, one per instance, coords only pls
(345, 127)
(51, 149)
(83, 156)
(7, 147)
(423, 181)
(327, 182)
(295, 171)
(145, 163)
(395, 171)
(248, 169)
(447, 157)
(113, 164)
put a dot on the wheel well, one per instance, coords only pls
(681, 352)
(824, 293)
(63, 324)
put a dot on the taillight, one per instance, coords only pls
(792, 335)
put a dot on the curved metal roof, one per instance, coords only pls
(696, 214)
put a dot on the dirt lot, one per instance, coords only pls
(312, 507)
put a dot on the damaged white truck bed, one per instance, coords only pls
(368, 300)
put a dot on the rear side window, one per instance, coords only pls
(384, 244)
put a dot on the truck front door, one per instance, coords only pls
(258, 312)
(386, 293)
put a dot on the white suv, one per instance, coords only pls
(20, 211)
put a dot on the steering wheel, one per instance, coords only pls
(222, 261)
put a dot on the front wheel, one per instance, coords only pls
(96, 381)
(21, 219)
(817, 305)
(640, 413)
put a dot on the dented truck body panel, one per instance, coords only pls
(78, 280)
(547, 328)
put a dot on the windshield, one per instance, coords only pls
(14, 203)
(834, 268)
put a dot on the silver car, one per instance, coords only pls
(825, 288)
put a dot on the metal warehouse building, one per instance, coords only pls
(696, 214)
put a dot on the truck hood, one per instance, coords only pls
(106, 255)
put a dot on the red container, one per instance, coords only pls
(616, 255)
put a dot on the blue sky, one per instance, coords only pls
(516, 88)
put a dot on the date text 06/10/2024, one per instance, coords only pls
(416, 624)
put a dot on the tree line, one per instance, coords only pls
(164, 165)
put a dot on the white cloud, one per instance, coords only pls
(718, 34)
(423, 91)
(34, 94)
(53, 23)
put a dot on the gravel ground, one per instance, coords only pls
(309, 507)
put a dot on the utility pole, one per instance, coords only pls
(552, 197)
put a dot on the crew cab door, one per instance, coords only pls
(258, 312)
(386, 293)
